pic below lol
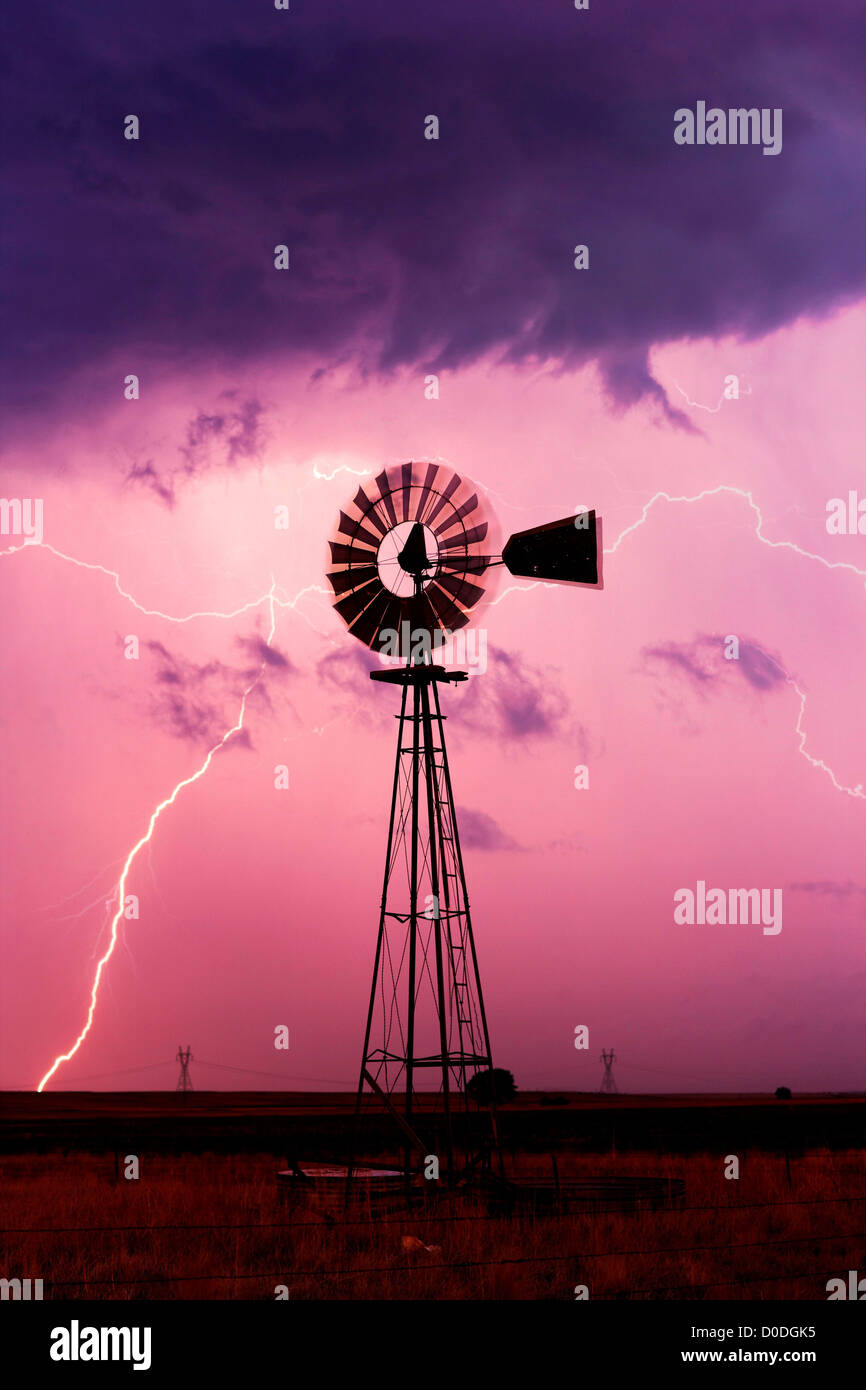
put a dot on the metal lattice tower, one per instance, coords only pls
(184, 1082)
(608, 1085)
(426, 1021)
(412, 557)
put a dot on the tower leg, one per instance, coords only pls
(426, 1020)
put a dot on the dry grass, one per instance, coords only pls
(523, 1257)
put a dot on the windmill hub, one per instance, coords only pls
(406, 551)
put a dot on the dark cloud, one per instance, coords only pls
(679, 656)
(150, 477)
(348, 667)
(261, 654)
(480, 831)
(829, 888)
(234, 433)
(198, 702)
(261, 127)
(512, 699)
(224, 438)
(703, 665)
(628, 380)
(758, 667)
(189, 698)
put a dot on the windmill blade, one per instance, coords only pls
(350, 607)
(348, 527)
(561, 550)
(446, 610)
(456, 517)
(447, 614)
(352, 578)
(384, 611)
(367, 508)
(405, 488)
(445, 496)
(429, 479)
(350, 554)
(460, 589)
(384, 487)
(465, 537)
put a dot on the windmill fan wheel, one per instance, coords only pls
(412, 547)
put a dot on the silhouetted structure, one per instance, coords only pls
(402, 561)
(608, 1085)
(184, 1081)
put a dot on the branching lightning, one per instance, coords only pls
(343, 468)
(273, 599)
(269, 597)
(735, 492)
(857, 792)
(817, 763)
(710, 409)
(145, 839)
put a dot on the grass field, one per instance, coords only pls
(780, 1231)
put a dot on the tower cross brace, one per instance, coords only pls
(426, 1021)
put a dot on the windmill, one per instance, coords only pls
(409, 562)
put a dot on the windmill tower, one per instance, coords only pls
(409, 564)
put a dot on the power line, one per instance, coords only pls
(330, 1080)
(153, 1066)
(101, 1075)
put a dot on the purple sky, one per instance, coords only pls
(557, 388)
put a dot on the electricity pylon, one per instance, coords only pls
(184, 1083)
(608, 1085)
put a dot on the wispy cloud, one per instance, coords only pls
(512, 699)
(478, 830)
(232, 433)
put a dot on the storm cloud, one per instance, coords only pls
(306, 128)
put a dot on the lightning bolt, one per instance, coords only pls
(145, 839)
(818, 763)
(857, 792)
(269, 597)
(517, 589)
(711, 409)
(735, 492)
(343, 468)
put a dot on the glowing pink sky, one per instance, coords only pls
(259, 907)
